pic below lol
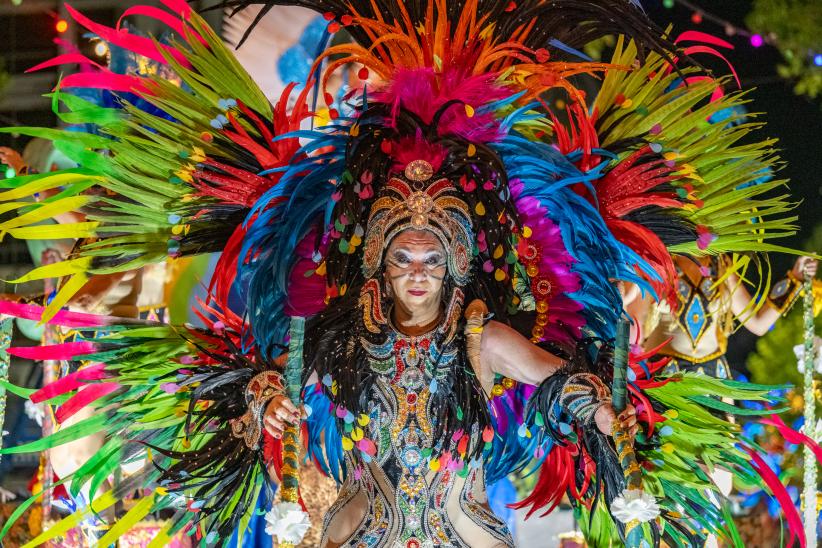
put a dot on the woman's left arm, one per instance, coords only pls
(506, 352)
(763, 319)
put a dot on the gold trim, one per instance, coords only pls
(670, 353)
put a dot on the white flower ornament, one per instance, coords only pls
(288, 522)
(635, 504)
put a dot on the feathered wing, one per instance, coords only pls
(177, 181)
(164, 396)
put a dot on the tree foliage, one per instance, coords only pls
(796, 25)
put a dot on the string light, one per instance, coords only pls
(698, 15)
(61, 26)
(101, 49)
(817, 59)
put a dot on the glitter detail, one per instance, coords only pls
(419, 171)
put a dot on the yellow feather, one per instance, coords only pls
(55, 270)
(66, 292)
(70, 522)
(56, 231)
(41, 212)
(46, 183)
(124, 524)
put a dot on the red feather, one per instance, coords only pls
(555, 478)
(781, 494)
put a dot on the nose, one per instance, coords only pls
(418, 272)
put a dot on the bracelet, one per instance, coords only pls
(785, 293)
(582, 396)
(262, 388)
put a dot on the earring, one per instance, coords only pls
(371, 303)
(453, 313)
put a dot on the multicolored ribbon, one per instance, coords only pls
(810, 415)
(5, 342)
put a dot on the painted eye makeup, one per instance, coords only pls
(431, 260)
(435, 261)
(400, 259)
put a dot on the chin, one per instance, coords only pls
(416, 304)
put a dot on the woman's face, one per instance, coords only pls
(415, 270)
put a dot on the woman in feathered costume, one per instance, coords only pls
(351, 250)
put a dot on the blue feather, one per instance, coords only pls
(568, 49)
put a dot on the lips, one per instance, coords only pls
(417, 292)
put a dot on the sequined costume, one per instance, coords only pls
(696, 330)
(411, 490)
(444, 132)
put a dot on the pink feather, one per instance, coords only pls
(410, 149)
(424, 91)
(64, 351)
(792, 436)
(178, 6)
(778, 490)
(703, 37)
(306, 292)
(70, 382)
(554, 265)
(84, 397)
(164, 17)
(711, 51)
(105, 80)
(68, 58)
(121, 38)
(63, 317)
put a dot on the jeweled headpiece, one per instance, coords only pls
(414, 203)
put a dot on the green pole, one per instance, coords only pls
(623, 443)
(291, 436)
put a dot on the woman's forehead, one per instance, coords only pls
(416, 239)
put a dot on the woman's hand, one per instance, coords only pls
(279, 413)
(605, 418)
(801, 264)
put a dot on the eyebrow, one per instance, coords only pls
(427, 252)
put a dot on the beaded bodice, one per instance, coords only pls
(698, 328)
(413, 485)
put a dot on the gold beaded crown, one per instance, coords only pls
(414, 203)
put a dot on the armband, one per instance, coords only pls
(263, 388)
(582, 395)
(785, 293)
